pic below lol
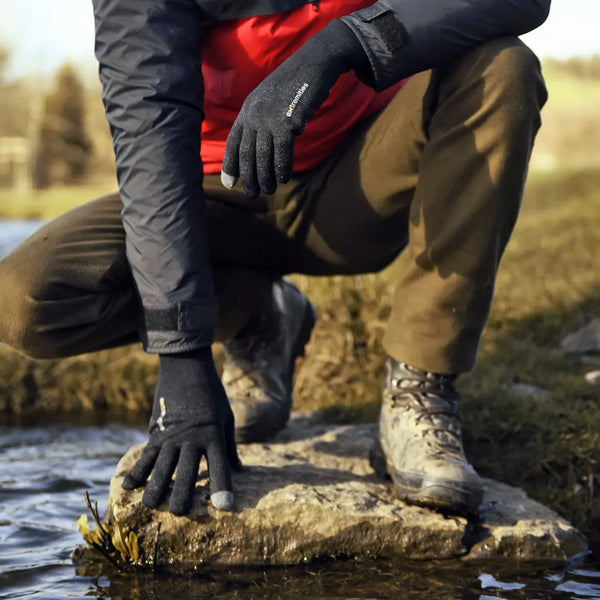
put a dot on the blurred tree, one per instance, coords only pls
(64, 149)
(15, 110)
(583, 67)
(14, 100)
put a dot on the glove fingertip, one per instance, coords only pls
(284, 174)
(129, 483)
(149, 502)
(152, 498)
(269, 191)
(222, 500)
(228, 181)
(179, 508)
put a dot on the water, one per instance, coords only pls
(13, 232)
(45, 470)
(43, 473)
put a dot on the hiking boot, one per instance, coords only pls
(259, 363)
(420, 441)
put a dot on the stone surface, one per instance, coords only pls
(526, 390)
(583, 341)
(312, 493)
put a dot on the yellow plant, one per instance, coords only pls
(121, 548)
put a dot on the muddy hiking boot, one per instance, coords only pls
(259, 363)
(420, 441)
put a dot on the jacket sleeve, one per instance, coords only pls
(404, 37)
(150, 68)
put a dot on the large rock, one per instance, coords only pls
(312, 493)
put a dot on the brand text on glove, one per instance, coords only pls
(296, 99)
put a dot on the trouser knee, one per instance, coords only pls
(507, 76)
(19, 314)
(518, 73)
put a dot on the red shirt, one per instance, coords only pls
(238, 54)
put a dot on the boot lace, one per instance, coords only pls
(434, 401)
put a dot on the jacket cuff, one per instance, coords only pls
(182, 327)
(382, 37)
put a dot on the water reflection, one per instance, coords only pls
(489, 581)
(580, 588)
(350, 580)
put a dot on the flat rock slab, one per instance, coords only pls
(312, 494)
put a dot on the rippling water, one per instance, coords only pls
(45, 470)
(43, 473)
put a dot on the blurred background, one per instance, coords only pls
(53, 134)
(531, 409)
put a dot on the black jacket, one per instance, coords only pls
(150, 67)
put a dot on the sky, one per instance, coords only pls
(44, 33)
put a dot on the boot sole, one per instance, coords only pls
(442, 495)
(263, 431)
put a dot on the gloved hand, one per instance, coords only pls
(191, 418)
(260, 144)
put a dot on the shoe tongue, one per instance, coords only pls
(398, 372)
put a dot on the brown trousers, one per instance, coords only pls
(440, 170)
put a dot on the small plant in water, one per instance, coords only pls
(122, 549)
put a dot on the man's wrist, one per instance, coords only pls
(338, 44)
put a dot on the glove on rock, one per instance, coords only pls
(260, 145)
(191, 418)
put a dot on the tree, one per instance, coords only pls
(4, 56)
(14, 100)
(64, 149)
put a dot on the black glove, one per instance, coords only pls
(260, 144)
(191, 418)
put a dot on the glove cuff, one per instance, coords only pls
(187, 387)
(337, 44)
